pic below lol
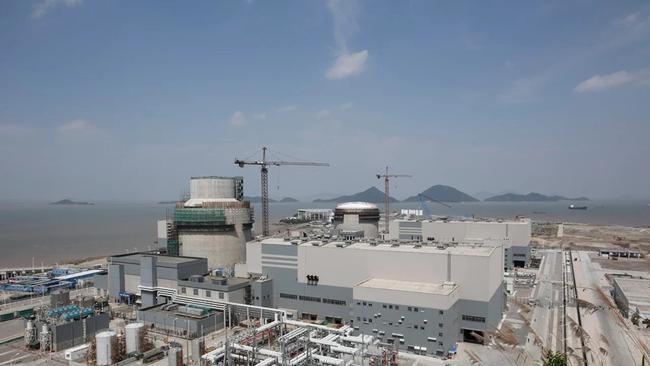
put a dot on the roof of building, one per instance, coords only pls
(462, 249)
(161, 259)
(216, 177)
(410, 286)
(80, 274)
(470, 219)
(636, 290)
(356, 206)
(198, 202)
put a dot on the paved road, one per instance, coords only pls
(547, 315)
(609, 342)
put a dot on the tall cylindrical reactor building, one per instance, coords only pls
(355, 220)
(215, 223)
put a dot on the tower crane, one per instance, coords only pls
(264, 167)
(387, 178)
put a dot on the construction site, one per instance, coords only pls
(357, 286)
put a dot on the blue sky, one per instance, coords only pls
(126, 100)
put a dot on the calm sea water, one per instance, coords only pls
(51, 234)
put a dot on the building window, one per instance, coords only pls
(195, 291)
(359, 318)
(364, 303)
(309, 298)
(410, 308)
(221, 295)
(334, 302)
(208, 293)
(441, 312)
(440, 325)
(288, 296)
(422, 327)
(183, 290)
(439, 334)
(471, 318)
(416, 310)
(390, 306)
(396, 307)
(384, 305)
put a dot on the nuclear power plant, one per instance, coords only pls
(320, 293)
(214, 223)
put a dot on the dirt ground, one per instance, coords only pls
(590, 237)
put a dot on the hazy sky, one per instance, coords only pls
(126, 100)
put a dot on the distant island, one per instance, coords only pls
(371, 194)
(288, 199)
(531, 197)
(257, 199)
(444, 194)
(71, 202)
(167, 202)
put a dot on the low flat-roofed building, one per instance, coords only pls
(513, 235)
(128, 272)
(632, 295)
(333, 280)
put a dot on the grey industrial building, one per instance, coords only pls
(408, 294)
(127, 272)
(513, 235)
(632, 295)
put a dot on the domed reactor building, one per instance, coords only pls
(356, 220)
(215, 223)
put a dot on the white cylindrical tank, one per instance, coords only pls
(105, 342)
(30, 333)
(133, 337)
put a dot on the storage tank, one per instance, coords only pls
(105, 341)
(175, 356)
(356, 220)
(133, 337)
(44, 337)
(30, 334)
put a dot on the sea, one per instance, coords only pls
(42, 234)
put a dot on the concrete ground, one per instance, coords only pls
(610, 338)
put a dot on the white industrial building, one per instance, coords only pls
(215, 223)
(406, 294)
(513, 235)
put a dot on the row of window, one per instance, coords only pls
(313, 299)
(472, 318)
(195, 292)
(334, 302)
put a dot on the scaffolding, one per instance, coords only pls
(199, 216)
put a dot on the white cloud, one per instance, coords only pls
(13, 131)
(602, 82)
(288, 108)
(43, 6)
(259, 116)
(348, 65)
(344, 19)
(523, 90)
(346, 106)
(323, 113)
(78, 128)
(237, 119)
